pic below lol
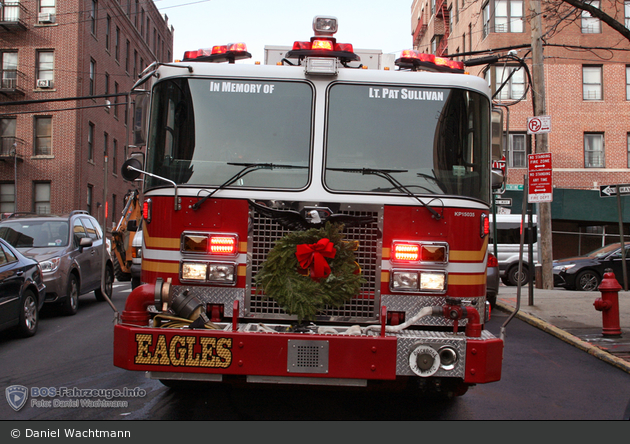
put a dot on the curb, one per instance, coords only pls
(567, 337)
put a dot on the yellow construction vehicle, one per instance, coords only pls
(123, 234)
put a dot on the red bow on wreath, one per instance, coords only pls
(314, 256)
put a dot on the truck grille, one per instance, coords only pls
(265, 231)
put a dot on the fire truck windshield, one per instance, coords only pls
(434, 140)
(203, 132)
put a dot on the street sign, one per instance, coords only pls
(540, 184)
(539, 125)
(611, 190)
(504, 202)
(513, 187)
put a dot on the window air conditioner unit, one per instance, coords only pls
(46, 17)
(44, 83)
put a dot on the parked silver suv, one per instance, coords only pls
(69, 249)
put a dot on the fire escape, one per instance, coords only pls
(421, 29)
(442, 12)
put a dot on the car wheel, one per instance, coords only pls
(109, 284)
(587, 280)
(71, 304)
(29, 315)
(492, 298)
(512, 276)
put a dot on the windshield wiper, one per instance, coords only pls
(387, 175)
(247, 168)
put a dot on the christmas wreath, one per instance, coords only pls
(308, 270)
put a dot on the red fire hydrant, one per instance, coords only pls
(608, 304)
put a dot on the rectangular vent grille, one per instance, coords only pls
(307, 356)
(266, 231)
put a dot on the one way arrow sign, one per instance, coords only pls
(611, 190)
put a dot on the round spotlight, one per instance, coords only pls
(448, 357)
(424, 361)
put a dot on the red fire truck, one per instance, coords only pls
(313, 222)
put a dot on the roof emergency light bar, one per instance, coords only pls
(218, 54)
(323, 44)
(416, 60)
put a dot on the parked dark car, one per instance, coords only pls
(584, 273)
(492, 280)
(22, 291)
(69, 249)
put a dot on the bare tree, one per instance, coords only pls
(563, 12)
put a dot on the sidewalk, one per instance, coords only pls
(571, 316)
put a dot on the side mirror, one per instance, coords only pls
(498, 178)
(85, 242)
(131, 169)
(497, 134)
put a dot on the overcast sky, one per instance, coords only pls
(367, 24)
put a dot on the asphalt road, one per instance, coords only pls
(543, 378)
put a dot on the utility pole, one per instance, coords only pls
(545, 255)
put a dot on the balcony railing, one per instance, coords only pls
(12, 15)
(12, 82)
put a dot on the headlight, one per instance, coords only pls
(563, 267)
(194, 271)
(221, 273)
(405, 280)
(431, 281)
(50, 265)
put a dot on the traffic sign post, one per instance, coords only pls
(614, 190)
(618, 191)
(540, 184)
(539, 125)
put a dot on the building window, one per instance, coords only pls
(45, 65)
(90, 194)
(91, 142)
(127, 57)
(590, 24)
(9, 70)
(43, 136)
(115, 157)
(594, 150)
(7, 198)
(592, 87)
(41, 197)
(514, 79)
(47, 6)
(517, 150)
(92, 78)
(116, 99)
(503, 16)
(93, 11)
(117, 49)
(7, 136)
(108, 26)
(627, 82)
(627, 13)
(628, 148)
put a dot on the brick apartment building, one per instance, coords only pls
(52, 151)
(587, 98)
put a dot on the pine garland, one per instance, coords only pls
(282, 279)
